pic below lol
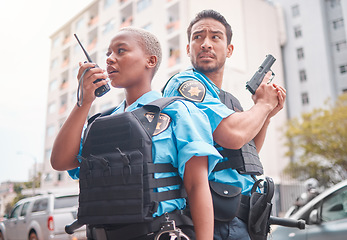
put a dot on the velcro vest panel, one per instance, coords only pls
(245, 160)
(117, 184)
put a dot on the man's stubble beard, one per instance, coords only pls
(207, 68)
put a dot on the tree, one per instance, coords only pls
(319, 140)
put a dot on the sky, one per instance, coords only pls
(25, 28)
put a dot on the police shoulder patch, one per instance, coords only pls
(163, 122)
(192, 90)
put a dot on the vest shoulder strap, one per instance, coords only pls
(155, 107)
(230, 101)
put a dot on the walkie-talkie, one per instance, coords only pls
(103, 89)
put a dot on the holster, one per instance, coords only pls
(260, 210)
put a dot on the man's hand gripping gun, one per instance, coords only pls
(253, 84)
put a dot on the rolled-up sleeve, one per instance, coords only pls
(193, 135)
(197, 148)
(74, 173)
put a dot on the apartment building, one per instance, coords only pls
(315, 54)
(258, 30)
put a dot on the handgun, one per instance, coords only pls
(100, 91)
(253, 84)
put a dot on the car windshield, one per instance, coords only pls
(65, 202)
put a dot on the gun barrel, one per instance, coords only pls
(269, 60)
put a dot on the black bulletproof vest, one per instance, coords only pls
(117, 183)
(245, 160)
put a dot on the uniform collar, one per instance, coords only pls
(214, 86)
(141, 101)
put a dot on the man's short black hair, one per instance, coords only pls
(214, 15)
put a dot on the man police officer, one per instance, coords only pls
(209, 44)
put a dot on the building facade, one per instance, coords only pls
(315, 54)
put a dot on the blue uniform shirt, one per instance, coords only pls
(216, 111)
(189, 134)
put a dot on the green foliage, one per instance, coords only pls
(17, 198)
(9, 206)
(17, 188)
(319, 140)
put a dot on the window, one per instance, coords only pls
(338, 23)
(304, 98)
(302, 74)
(300, 53)
(79, 24)
(65, 202)
(143, 4)
(52, 107)
(108, 3)
(73, 96)
(297, 31)
(40, 205)
(108, 27)
(295, 11)
(75, 72)
(66, 61)
(15, 212)
(24, 209)
(67, 38)
(50, 131)
(334, 207)
(77, 49)
(63, 103)
(48, 153)
(93, 19)
(60, 177)
(64, 83)
(54, 63)
(53, 85)
(56, 42)
(48, 177)
(341, 45)
(334, 3)
(343, 69)
(148, 27)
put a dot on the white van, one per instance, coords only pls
(42, 217)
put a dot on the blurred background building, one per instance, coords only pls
(315, 54)
(307, 37)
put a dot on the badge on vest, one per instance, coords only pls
(163, 122)
(192, 90)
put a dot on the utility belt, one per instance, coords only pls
(159, 224)
(228, 203)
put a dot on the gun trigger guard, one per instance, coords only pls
(270, 79)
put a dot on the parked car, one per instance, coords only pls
(42, 217)
(325, 216)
